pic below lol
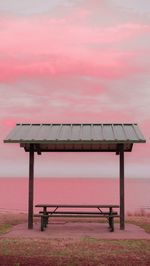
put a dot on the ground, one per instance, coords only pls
(73, 242)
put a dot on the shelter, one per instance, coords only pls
(118, 138)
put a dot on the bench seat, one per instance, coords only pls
(45, 217)
(50, 213)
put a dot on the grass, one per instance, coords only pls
(76, 253)
(142, 221)
(9, 220)
(88, 251)
(4, 228)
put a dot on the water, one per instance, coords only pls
(14, 192)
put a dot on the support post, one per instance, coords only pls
(122, 209)
(31, 187)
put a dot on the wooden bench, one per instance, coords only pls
(86, 211)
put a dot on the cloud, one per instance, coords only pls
(74, 61)
(45, 35)
(116, 66)
(40, 46)
(28, 7)
(134, 5)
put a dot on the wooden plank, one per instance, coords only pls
(44, 218)
(31, 187)
(78, 212)
(76, 206)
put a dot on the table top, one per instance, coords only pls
(76, 206)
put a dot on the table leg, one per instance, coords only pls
(45, 218)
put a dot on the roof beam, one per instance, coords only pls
(37, 148)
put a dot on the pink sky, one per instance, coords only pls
(74, 61)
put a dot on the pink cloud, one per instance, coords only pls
(80, 65)
(40, 46)
(44, 35)
(116, 66)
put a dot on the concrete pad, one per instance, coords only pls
(76, 230)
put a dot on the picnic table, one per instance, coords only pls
(76, 210)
